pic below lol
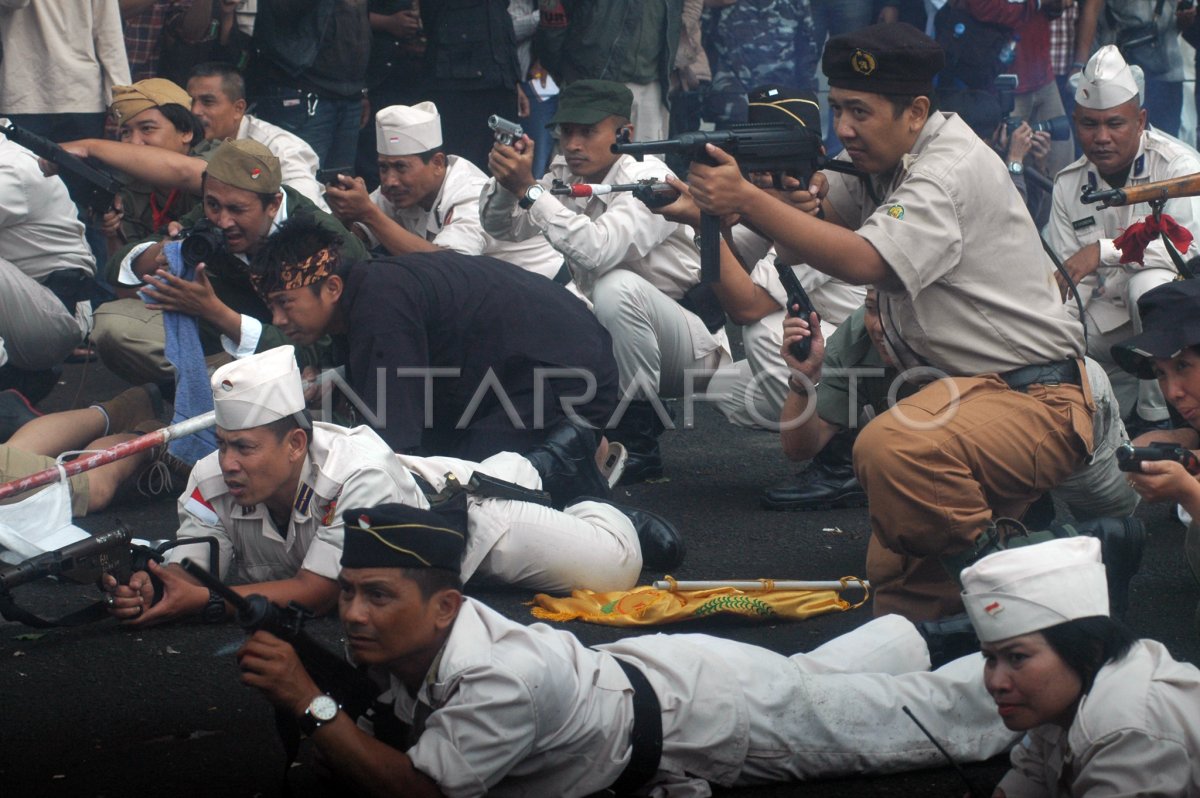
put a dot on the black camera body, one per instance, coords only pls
(201, 243)
(1059, 127)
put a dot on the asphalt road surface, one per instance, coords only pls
(103, 710)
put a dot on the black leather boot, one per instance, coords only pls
(948, 638)
(566, 459)
(638, 432)
(1121, 543)
(662, 545)
(828, 482)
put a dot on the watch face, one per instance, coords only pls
(323, 708)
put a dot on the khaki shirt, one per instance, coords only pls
(612, 231)
(344, 468)
(297, 160)
(453, 222)
(1074, 225)
(1135, 733)
(978, 293)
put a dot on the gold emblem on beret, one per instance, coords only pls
(862, 62)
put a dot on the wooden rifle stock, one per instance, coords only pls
(1175, 187)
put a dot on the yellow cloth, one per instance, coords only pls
(648, 606)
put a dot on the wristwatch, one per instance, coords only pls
(214, 610)
(531, 195)
(321, 710)
(1017, 168)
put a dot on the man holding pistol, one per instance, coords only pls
(968, 306)
(640, 270)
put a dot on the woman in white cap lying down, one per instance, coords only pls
(1106, 714)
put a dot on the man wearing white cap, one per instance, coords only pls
(1105, 714)
(268, 495)
(273, 492)
(426, 200)
(1119, 151)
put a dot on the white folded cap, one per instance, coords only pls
(408, 130)
(1022, 590)
(1106, 81)
(257, 390)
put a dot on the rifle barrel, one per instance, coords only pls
(62, 560)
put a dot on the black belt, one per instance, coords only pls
(1062, 372)
(646, 739)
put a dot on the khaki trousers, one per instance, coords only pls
(131, 340)
(941, 464)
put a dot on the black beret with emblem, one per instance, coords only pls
(889, 58)
(400, 536)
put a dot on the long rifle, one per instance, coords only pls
(1160, 190)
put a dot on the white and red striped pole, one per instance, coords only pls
(120, 451)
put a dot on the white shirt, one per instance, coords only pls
(612, 231)
(40, 231)
(530, 711)
(344, 468)
(453, 222)
(62, 56)
(297, 160)
(1074, 225)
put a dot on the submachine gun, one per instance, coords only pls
(351, 688)
(776, 148)
(89, 186)
(117, 553)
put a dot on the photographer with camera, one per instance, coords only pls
(1119, 151)
(243, 201)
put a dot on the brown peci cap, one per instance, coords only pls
(246, 164)
(129, 101)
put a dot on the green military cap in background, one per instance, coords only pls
(586, 102)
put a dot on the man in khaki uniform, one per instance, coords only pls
(154, 113)
(965, 293)
(637, 268)
(427, 200)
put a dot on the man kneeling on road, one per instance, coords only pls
(477, 703)
(270, 496)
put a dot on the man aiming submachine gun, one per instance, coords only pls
(777, 148)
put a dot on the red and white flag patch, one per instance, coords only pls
(199, 507)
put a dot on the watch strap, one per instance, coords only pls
(309, 723)
(214, 609)
(526, 201)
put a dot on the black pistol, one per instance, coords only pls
(1130, 457)
(798, 305)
